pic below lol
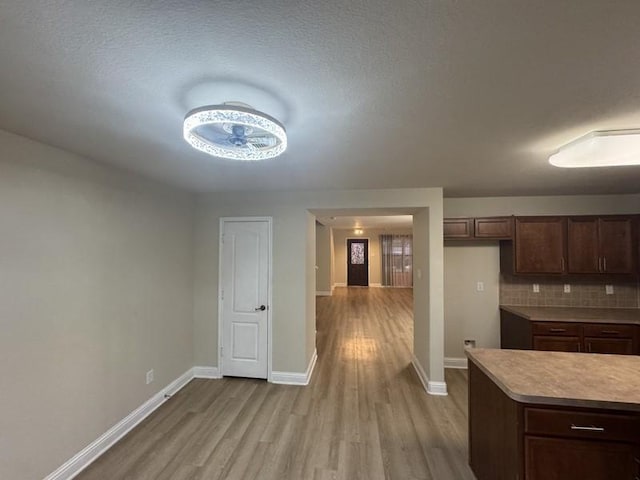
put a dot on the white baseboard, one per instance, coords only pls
(454, 362)
(322, 293)
(90, 453)
(420, 372)
(437, 388)
(294, 378)
(339, 284)
(432, 388)
(206, 372)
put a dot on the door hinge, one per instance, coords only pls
(222, 294)
(222, 351)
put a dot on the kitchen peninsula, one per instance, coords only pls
(553, 415)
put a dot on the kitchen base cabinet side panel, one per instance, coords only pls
(495, 430)
(564, 459)
(515, 331)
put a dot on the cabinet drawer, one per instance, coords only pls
(608, 331)
(577, 424)
(556, 329)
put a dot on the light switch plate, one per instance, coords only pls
(567, 288)
(536, 288)
(608, 289)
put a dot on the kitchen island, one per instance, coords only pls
(553, 415)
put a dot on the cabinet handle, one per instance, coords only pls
(590, 428)
(589, 347)
(562, 263)
(599, 264)
(557, 330)
(610, 332)
(604, 264)
(579, 347)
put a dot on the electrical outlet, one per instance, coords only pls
(567, 288)
(480, 286)
(469, 344)
(536, 288)
(149, 376)
(608, 289)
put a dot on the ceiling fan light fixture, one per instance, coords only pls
(234, 131)
(605, 148)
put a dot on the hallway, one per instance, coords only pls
(364, 415)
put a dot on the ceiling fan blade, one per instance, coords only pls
(262, 140)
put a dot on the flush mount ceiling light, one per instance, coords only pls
(236, 131)
(607, 148)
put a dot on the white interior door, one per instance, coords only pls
(244, 280)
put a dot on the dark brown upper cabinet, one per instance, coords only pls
(496, 228)
(616, 244)
(600, 244)
(483, 228)
(460, 228)
(540, 244)
(582, 238)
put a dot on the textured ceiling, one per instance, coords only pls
(469, 95)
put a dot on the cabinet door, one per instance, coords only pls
(616, 244)
(565, 459)
(582, 245)
(499, 228)
(457, 228)
(540, 244)
(620, 346)
(557, 344)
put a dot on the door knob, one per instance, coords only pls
(261, 308)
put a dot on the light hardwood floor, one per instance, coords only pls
(365, 414)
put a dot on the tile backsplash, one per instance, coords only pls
(516, 290)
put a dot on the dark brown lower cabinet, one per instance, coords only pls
(548, 458)
(510, 440)
(557, 344)
(619, 346)
(520, 333)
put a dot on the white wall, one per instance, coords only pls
(95, 289)
(293, 317)
(310, 282)
(468, 313)
(544, 205)
(428, 276)
(323, 259)
(289, 294)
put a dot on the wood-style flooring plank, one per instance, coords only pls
(364, 416)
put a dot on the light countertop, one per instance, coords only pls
(576, 314)
(563, 379)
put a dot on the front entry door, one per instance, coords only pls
(244, 281)
(358, 262)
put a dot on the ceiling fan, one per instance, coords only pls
(236, 131)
